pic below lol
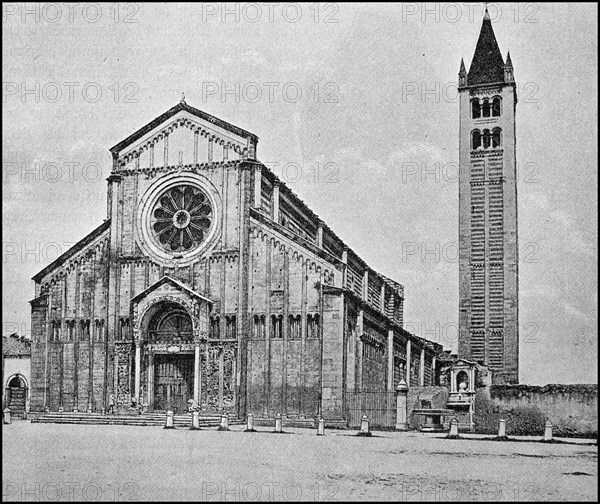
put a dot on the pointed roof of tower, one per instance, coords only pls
(487, 65)
(462, 70)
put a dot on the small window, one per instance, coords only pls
(475, 108)
(496, 106)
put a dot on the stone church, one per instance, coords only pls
(210, 280)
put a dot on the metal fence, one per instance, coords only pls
(379, 406)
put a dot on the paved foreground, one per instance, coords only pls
(48, 462)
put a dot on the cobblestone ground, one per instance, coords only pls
(49, 462)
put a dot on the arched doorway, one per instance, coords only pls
(16, 395)
(171, 374)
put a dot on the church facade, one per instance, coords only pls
(211, 280)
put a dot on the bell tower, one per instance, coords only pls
(488, 257)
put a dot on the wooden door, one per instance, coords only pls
(173, 382)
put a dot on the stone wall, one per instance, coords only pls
(572, 409)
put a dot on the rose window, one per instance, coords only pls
(181, 218)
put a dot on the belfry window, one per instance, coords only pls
(486, 108)
(496, 106)
(486, 139)
(475, 139)
(497, 137)
(475, 108)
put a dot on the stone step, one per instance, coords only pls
(154, 419)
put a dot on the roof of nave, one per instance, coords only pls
(181, 106)
(15, 346)
(176, 283)
(80, 245)
(392, 283)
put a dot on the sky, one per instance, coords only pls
(356, 108)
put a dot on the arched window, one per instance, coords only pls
(486, 139)
(98, 330)
(276, 326)
(230, 327)
(475, 140)
(71, 330)
(497, 137)
(56, 330)
(313, 326)
(124, 328)
(215, 327)
(486, 107)
(84, 330)
(259, 327)
(475, 108)
(294, 327)
(496, 106)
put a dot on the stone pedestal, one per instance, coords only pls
(278, 424)
(548, 431)
(502, 429)
(401, 406)
(195, 420)
(169, 420)
(321, 427)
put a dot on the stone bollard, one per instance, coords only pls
(548, 431)
(453, 429)
(169, 420)
(278, 424)
(6, 416)
(502, 429)
(224, 422)
(321, 427)
(195, 421)
(364, 427)
(250, 423)
(401, 406)
(61, 409)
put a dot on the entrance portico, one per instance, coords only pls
(170, 321)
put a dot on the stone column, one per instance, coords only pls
(433, 371)
(390, 361)
(422, 369)
(276, 202)
(408, 366)
(138, 366)
(401, 406)
(197, 372)
(150, 380)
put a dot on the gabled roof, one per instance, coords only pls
(172, 281)
(487, 65)
(181, 106)
(73, 250)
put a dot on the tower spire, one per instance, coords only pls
(487, 65)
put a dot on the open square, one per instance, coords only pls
(50, 462)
